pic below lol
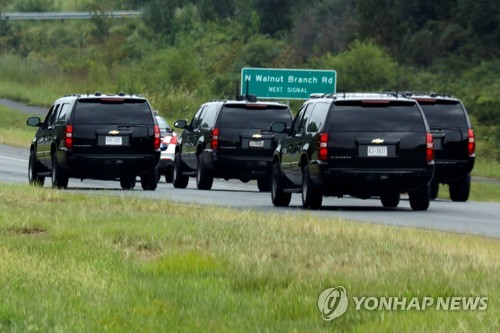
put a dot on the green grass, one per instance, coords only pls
(480, 191)
(486, 168)
(13, 128)
(74, 263)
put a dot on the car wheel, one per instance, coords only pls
(434, 190)
(278, 197)
(264, 184)
(59, 177)
(459, 191)
(420, 199)
(311, 193)
(204, 179)
(149, 180)
(169, 176)
(127, 182)
(178, 179)
(390, 200)
(33, 177)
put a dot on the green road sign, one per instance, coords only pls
(287, 83)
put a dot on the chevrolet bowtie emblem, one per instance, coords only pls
(114, 132)
(257, 136)
(378, 141)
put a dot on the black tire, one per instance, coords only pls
(33, 167)
(204, 179)
(434, 190)
(278, 197)
(312, 197)
(460, 190)
(59, 177)
(264, 184)
(149, 180)
(169, 176)
(128, 182)
(390, 200)
(420, 199)
(178, 179)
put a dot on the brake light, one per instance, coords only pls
(323, 146)
(157, 138)
(429, 148)
(68, 137)
(471, 143)
(214, 143)
(173, 140)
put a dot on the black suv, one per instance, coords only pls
(355, 144)
(96, 136)
(454, 143)
(229, 139)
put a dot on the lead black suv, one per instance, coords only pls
(229, 139)
(96, 136)
(454, 143)
(361, 145)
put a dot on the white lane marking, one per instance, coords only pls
(13, 159)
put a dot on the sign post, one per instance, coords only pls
(274, 83)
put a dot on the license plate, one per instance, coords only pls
(378, 151)
(113, 140)
(256, 144)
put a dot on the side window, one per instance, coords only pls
(209, 116)
(298, 120)
(318, 117)
(196, 119)
(305, 119)
(63, 113)
(51, 116)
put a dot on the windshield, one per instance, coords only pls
(249, 117)
(444, 115)
(113, 111)
(393, 117)
(162, 123)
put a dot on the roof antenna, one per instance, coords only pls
(237, 90)
(247, 87)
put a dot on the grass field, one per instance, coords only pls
(73, 263)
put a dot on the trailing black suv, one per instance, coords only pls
(362, 145)
(98, 137)
(229, 139)
(454, 143)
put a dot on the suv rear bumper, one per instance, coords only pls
(452, 170)
(239, 167)
(369, 182)
(108, 166)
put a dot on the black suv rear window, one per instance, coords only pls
(444, 114)
(253, 117)
(113, 111)
(376, 117)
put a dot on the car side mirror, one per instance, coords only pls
(34, 121)
(278, 127)
(182, 124)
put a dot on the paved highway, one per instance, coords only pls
(470, 217)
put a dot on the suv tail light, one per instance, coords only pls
(429, 148)
(214, 143)
(471, 143)
(157, 138)
(68, 137)
(323, 146)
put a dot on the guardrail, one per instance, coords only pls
(16, 16)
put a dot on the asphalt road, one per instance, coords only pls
(476, 218)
